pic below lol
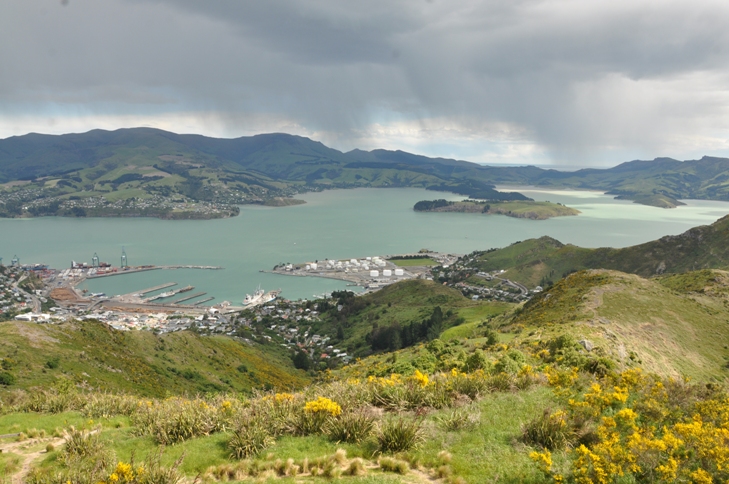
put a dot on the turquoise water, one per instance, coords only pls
(333, 224)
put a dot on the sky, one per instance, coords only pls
(546, 82)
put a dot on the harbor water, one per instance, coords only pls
(332, 224)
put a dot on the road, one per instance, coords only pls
(34, 299)
(515, 285)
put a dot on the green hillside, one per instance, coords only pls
(398, 316)
(144, 171)
(545, 260)
(600, 365)
(673, 326)
(139, 362)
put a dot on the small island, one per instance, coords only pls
(517, 208)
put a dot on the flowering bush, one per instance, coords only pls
(323, 405)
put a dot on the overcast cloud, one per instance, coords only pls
(518, 81)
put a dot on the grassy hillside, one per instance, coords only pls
(545, 260)
(673, 326)
(584, 382)
(139, 362)
(40, 173)
(399, 306)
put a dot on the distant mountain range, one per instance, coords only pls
(142, 162)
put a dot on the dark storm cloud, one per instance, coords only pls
(580, 79)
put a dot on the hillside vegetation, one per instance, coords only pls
(399, 315)
(144, 171)
(516, 208)
(139, 362)
(525, 403)
(545, 260)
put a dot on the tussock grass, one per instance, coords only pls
(400, 435)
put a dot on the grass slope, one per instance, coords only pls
(545, 259)
(636, 320)
(403, 303)
(139, 362)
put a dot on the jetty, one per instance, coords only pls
(187, 298)
(203, 301)
(174, 292)
(130, 270)
(156, 288)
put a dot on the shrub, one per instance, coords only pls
(508, 365)
(477, 361)
(105, 405)
(306, 423)
(459, 419)
(399, 435)
(356, 468)
(549, 430)
(6, 379)
(323, 405)
(53, 363)
(177, 419)
(353, 427)
(249, 440)
(388, 464)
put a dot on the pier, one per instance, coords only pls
(149, 268)
(203, 301)
(174, 292)
(187, 298)
(156, 288)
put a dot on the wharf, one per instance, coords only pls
(203, 301)
(187, 298)
(151, 268)
(156, 288)
(174, 292)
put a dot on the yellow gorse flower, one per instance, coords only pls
(323, 405)
(420, 378)
(283, 397)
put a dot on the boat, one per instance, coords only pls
(255, 299)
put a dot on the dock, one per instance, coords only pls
(172, 293)
(130, 270)
(187, 298)
(203, 301)
(156, 288)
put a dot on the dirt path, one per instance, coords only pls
(31, 457)
(28, 458)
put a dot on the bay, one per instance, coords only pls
(332, 224)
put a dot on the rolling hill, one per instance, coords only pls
(43, 174)
(545, 260)
(675, 326)
(139, 362)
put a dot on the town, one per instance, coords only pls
(37, 293)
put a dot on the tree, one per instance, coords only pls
(302, 361)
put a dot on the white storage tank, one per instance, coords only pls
(399, 272)
(374, 273)
(387, 273)
(308, 267)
